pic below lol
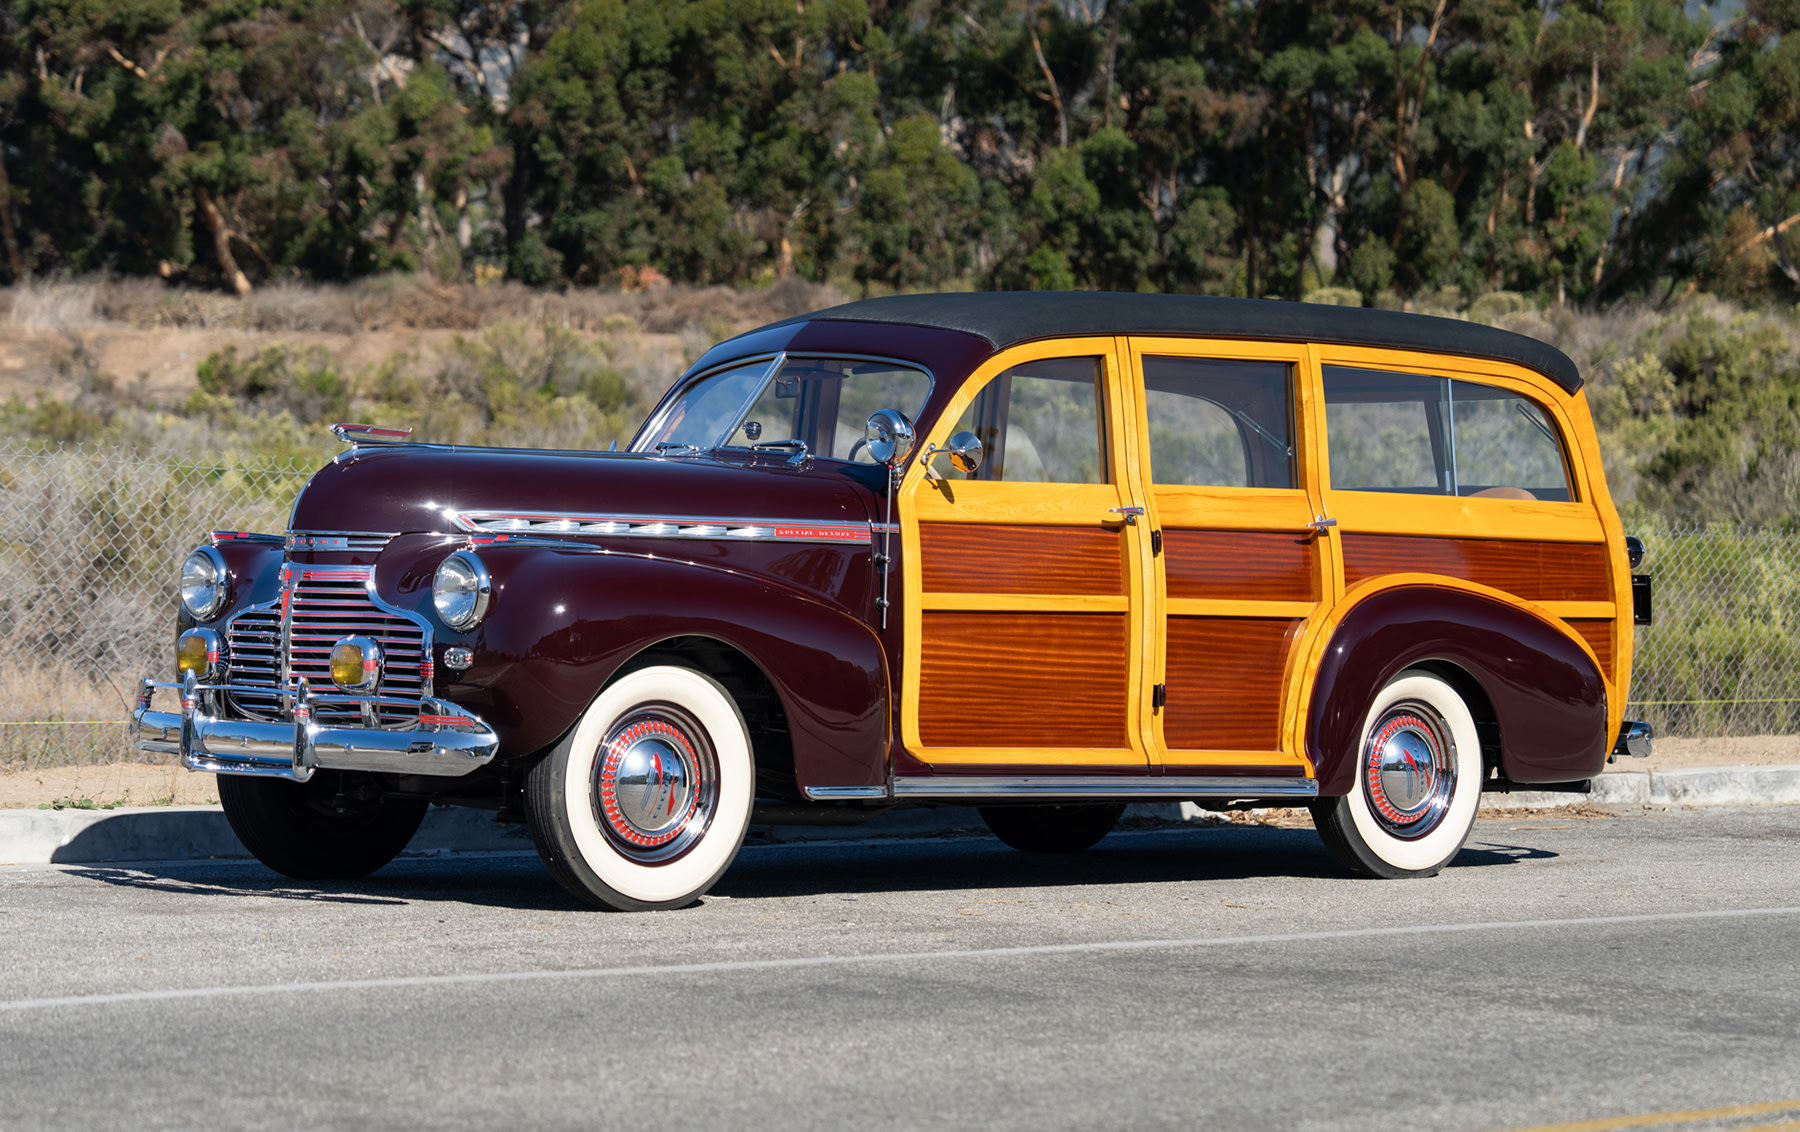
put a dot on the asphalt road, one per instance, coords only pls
(1561, 970)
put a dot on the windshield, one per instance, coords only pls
(823, 403)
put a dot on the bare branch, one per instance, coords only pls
(127, 64)
(1062, 118)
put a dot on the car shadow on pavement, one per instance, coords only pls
(810, 868)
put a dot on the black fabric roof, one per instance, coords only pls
(1005, 318)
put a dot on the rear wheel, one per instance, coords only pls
(335, 826)
(1052, 829)
(645, 802)
(1418, 783)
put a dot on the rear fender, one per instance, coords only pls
(563, 622)
(1543, 683)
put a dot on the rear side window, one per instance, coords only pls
(1218, 423)
(1038, 423)
(1408, 433)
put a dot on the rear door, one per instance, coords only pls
(1223, 437)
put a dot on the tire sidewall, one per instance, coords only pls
(597, 863)
(1425, 855)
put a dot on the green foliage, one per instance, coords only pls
(1265, 149)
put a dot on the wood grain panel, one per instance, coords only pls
(1599, 636)
(1225, 676)
(1535, 571)
(985, 558)
(1250, 565)
(1023, 680)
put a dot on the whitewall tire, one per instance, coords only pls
(645, 802)
(1418, 783)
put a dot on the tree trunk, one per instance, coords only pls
(221, 241)
(7, 232)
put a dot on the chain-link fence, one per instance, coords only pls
(1723, 657)
(91, 541)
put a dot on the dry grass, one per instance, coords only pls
(404, 303)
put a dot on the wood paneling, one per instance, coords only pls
(1225, 677)
(1535, 571)
(1599, 636)
(1246, 565)
(1023, 680)
(986, 558)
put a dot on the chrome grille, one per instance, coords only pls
(254, 641)
(326, 604)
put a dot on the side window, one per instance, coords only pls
(1386, 431)
(1506, 447)
(1436, 436)
(1219, 423)
(1038, 423)
(825, 403)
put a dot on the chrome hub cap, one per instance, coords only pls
(655, 784)
(1409, 770)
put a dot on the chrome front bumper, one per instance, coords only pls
(447, 742)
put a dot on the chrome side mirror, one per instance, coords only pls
(964, 450)
(889, 436)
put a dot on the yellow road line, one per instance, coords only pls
(1645, 1120)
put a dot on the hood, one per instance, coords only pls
(409, 489)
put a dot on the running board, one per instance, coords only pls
(1072, 788)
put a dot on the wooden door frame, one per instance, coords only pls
(1051, 504)
(1246, 509)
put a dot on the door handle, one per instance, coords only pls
(1322, 524)
(1129, 514)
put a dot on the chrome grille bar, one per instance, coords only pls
(323, 604)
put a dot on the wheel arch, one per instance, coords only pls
(1535, 689)
(581, 620)
(757, 699)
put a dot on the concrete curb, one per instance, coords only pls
(180, 833)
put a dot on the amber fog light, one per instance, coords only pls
(202, 652)
(356, 664)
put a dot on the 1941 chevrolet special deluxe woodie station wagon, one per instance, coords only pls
(1045, 554)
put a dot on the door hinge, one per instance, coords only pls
(1155, 543)
(1159, 695)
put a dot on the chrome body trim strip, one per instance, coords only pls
(447, 741)
(314, 541)
(732, 528)
(217, 537)
(844, 793)
(1051, 788)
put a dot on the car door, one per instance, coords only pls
(1239, 568)
(1025, 635)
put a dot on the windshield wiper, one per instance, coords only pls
(677, 448)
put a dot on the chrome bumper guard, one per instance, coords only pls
(447, 742)
(1634, 741)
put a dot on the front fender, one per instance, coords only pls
(563, 622)
(1546, 691)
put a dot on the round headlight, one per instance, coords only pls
(205, 583)
(461, 590)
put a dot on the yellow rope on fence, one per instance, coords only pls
(1668, 703)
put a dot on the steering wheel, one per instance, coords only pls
(862, 442)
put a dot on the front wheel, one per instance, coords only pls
(334, 826)
(645, 801)
(1418, 783)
